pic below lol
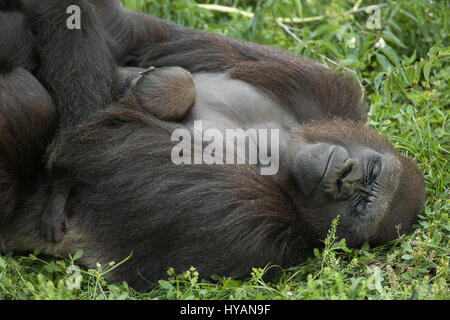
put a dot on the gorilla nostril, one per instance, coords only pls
(339, 186)
(346, 180)
(346, 172)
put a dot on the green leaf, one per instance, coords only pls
(409, 15)
(426, 71)
(378, 80)
(407, 246)
(341, 244)
(316, 253)
(409, 75)
(387, 90)
(390, 37)
(384, 63)
(399, 82)
(77, 255)
(165, 284)
(391, 54)
(418, 70)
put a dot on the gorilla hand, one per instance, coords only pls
(53, 216)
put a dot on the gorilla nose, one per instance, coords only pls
(326, 170)
(344, 176)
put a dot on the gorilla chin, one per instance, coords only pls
(366, 182)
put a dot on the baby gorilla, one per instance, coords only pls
(166, 93)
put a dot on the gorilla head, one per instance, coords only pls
(339, 167)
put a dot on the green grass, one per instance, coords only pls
(407, 89)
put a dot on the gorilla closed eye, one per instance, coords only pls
(366, 191)
(372, 171)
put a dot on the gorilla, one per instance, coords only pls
(114, 150)
(27, 114)
(18, 52)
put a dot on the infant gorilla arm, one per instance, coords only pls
(47, 22)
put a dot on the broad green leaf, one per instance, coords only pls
(378, 80)
(387, 67)
(391, 54)
(426, 70)
(392, 38)
(77, 255)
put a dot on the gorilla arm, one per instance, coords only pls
(77, 68)
(72, 61)
(305, 88)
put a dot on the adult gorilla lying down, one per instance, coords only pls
(126, 194)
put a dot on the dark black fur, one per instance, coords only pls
(27, 113)
(84, 71)
(130, 198)
(66, 56)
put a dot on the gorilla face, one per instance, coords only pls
(340, 168)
